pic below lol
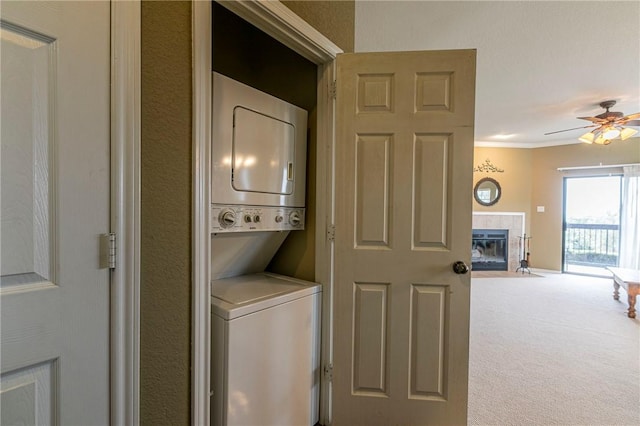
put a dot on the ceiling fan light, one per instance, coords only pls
(627, 132)
(610, 133)
(587, 138)
(601, 140)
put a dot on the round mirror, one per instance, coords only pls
(487, 191)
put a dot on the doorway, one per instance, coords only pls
(274, 19)
(591, 224)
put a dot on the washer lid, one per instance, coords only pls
(237, 296)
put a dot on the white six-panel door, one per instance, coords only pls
(404, 151)
(55, 60)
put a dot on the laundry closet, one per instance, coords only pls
(265, 322)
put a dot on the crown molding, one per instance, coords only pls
(533, 145)
(524, 145)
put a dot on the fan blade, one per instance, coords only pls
(633, 123)
(631, 117)
(575, 128)
(594, 119)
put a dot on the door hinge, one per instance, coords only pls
(331, 232)
(328, 372)
(333, 89)
(108, 251)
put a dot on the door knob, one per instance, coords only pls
(460, 267)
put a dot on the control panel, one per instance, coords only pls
(233, 218)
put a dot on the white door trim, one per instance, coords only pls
(125, 211)
(281, 23)
(201, 319)
(325, 214)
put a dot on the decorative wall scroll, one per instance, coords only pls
(487, 167)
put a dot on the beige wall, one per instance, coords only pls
(165, 294)
(531, 179)
(515, 181)
(546, 228)
(166, 198)
(334, 19)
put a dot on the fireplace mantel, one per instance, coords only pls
(513, 221)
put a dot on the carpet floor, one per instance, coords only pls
(552, 350)
(501, 274)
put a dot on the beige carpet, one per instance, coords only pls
(501, 274)
(552, 350)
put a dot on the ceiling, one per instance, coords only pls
(540, 64)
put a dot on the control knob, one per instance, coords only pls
(227, 218)
(295, 218)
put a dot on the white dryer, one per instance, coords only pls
(265, 333)
(258, 176)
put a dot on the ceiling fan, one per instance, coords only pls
(607, 126)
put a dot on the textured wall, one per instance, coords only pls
(166, 197)
(334, 19)
(515, 181)
(531, 179)
(166, 214)
(546, 228)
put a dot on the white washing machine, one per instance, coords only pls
(265, 334)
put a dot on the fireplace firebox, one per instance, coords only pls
(490, 250)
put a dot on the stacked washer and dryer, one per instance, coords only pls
(265, 327)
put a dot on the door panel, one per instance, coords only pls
(27, 73)
(55, 143)
(370, 357)
(404, 155)
(372, 196)
(431, 154)
(429, 307)
(27, 396)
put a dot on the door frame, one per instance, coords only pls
(288, 28)
(124, 208)
(124, 326)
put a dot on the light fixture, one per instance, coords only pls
(610, 132)
(587, 138)
(607, 126)
(601, 140)
(604, 134)
(627, 132)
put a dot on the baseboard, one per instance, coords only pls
(545, 271)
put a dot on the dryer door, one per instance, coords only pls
(263, 153)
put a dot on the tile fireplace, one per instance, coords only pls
(512, 221)
(490, 250)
